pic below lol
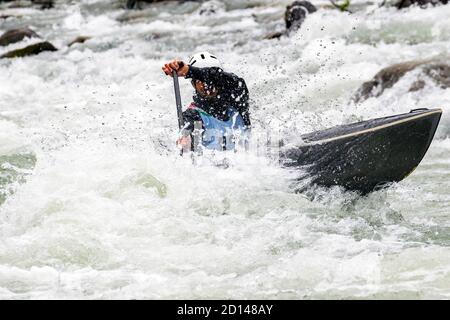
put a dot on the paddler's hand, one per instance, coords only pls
(184, 141)
(176, 65)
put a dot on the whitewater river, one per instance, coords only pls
(96, 203)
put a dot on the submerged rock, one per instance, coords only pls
(211, 7)
(437, 71)
(14, 169)
(16, 35)
(407, 3)
(30, 50)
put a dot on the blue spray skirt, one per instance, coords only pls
(220, 135)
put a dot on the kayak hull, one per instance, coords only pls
(368, 155)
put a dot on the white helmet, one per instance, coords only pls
(204, 60)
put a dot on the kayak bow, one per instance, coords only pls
(367, 155)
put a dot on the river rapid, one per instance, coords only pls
(96, 203)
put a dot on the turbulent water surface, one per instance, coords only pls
(96, 203)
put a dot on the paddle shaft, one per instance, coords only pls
(176, 86)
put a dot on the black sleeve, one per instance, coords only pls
(232, 89)
(189, 117)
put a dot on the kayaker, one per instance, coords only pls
(220, 102)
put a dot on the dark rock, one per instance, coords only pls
(30, 50)
(153, 36)
(207, 11)
(296, 14)
(45, 4)
(211, 7)
(131, 4)
(80, 39)
(274, 35)
(422, 3)
(16, 35)
(436, 70)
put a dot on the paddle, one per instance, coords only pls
(176, 86)
(197, 124)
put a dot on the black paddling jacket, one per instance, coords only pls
(232, 92)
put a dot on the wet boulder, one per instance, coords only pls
(131, 4)
(275, 35)
(422, 3)
(296, 14)
(384, 79)
(435, 70)
(44, 4)
(30, 50)
(80, 39)
(16, 35)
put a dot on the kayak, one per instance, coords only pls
(364, 156)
